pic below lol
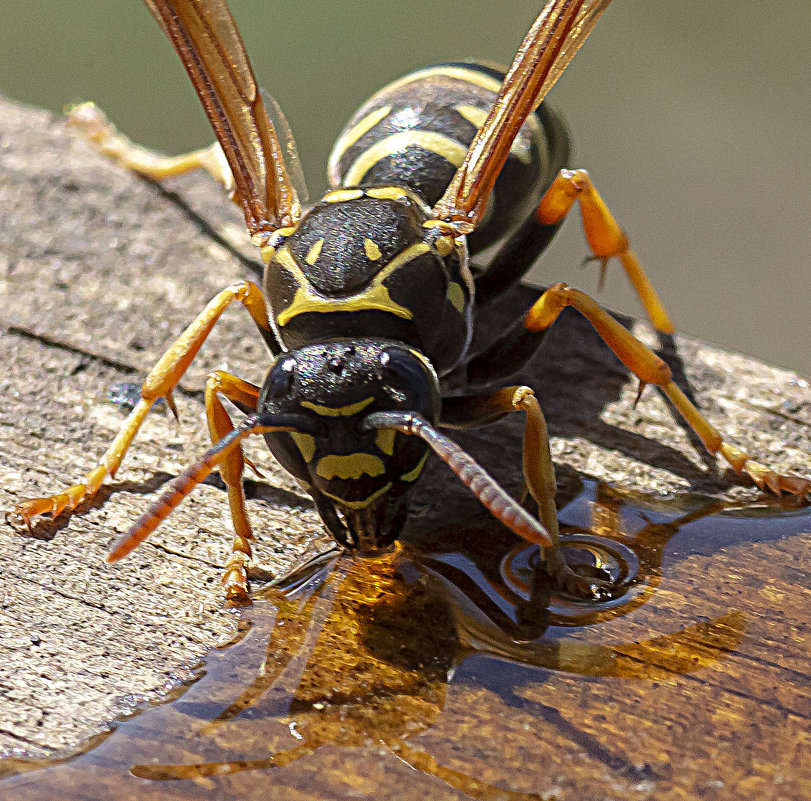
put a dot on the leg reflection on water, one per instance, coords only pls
(375, 658)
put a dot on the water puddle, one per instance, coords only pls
(442, 672)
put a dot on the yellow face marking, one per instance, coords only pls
(347, 139)
(451, 150)
(414, 474)
(460, 73)
(372, 250)
(352, 465)
(444, 245)
(456, 296)
(338, 411)
(341, 195)
(267, 253)
(477, 116)
(360, 504)
(314, 252)
(384, 439)
(374, 297)
(305, 443)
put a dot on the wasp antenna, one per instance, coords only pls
(197, 473)
(503, 507)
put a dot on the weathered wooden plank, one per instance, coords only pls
(99, 271)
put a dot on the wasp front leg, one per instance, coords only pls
(160, 383)
(244, 395)
(94, 125)
(539, 472)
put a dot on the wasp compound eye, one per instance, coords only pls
(280, 380)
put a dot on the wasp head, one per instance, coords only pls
(357, 477)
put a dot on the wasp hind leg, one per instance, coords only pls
(539, 475)
(160, 383)
(603, 234)
(94, 125)
(650, 369)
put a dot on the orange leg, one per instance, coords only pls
(650, 369)
(161, 381)
(94, 125)
(235, 579)
(606, 239)
(539, 475)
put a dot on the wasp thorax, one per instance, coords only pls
(357, 477)
(351, 267)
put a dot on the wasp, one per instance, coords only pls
(370, 301)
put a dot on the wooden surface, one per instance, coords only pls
(98, 273)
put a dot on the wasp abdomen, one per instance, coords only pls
(415, 133)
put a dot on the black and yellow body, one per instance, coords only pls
(416, 131)
(370, 302)
(369, 267)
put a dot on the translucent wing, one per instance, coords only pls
(552, 41)
(206, 38)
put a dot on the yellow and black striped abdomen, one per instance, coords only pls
(415, 133)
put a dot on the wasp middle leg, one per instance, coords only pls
(159, 383)
(94, 125)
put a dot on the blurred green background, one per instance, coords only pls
(693, 118)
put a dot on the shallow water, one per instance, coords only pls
(456, 675)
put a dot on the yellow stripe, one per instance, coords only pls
(314, 252)
(473, 114)
(338, 411)
(348, 138)
(414, 474)
(384, 439)
(359, 504)
(374, 297)
(397, 193)
(349, 466)
(456, 296)
(387, 193)
(477, 116)
(341, 195)
(305, 443)
(451, 150)
(460, 73)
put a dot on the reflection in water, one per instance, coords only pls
(360, 655)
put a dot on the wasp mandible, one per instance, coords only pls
(369, 300)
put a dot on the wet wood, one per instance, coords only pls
(100, 270)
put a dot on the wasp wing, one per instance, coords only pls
(206, 38)
(552, 41)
